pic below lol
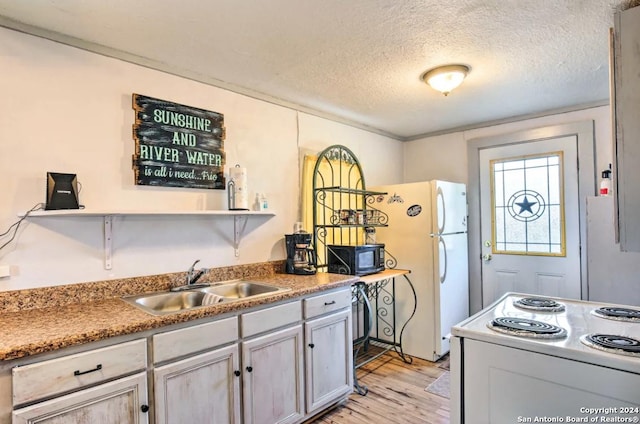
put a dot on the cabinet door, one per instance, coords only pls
(201, 389)
(627, 104)
(273, 378)
(329, 359)
(119, 401)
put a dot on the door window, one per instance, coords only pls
(528, 205)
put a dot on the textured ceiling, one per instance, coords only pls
(357, 61)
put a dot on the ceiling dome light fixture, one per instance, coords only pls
(446, 78)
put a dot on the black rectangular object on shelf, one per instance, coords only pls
(361, 259)
(62, 191)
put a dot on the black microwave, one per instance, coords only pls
(355, 260)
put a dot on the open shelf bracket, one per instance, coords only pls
(239, 225)
(108, 241)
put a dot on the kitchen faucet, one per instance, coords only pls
(192, 278)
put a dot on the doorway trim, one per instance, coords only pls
(584, 132)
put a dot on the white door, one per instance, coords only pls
(529, 219)
(329, 363)
(119, 401)
(184, 389)
(273, 377)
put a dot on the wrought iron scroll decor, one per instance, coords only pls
(342, 207)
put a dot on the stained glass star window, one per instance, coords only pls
(528, 205)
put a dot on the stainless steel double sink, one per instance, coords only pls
(163, 303)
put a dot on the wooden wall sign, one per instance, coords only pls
(177, 145)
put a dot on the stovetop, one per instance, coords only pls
(618, 313)
(524, 327)
(578, 319)
(542, 304)
(612, 343)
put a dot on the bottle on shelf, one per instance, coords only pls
(260, 204)
(605, 183)
(370, 235)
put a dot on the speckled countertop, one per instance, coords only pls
(43, 320)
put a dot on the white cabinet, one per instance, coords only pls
(175, 344)
(328, 349)
(329, 362)
(75, 379)
(627, 126)
(272, 361)
(201, 389)
(206, 386)
(72, 372)
(123, 401)
(249, 368)
(273, 377)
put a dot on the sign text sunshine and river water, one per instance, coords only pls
(177, 145)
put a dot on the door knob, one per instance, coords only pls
(487, 257)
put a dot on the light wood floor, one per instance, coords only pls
(396, 395)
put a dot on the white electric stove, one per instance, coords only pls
(538, 359)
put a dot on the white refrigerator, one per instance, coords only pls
(427, 234)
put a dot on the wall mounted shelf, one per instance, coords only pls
(240, 219)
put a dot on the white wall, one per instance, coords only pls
(67, 110)
(381, 161)
(445, 157)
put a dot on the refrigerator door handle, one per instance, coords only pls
(443, 275)
(440, 199)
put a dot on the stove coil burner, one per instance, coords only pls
(538, 304)
(529, 328)
(618, 314)
(613, 344)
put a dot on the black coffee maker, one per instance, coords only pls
(301, 258)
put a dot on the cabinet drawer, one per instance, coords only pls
(47, 378)
(270, 318)
(119, 401)
(185, 341)
(329, 302)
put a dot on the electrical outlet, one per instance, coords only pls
(5, 271)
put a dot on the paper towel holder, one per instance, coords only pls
(231, 196)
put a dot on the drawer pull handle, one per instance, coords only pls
(249, 369)
(78, 372)
(311, 345)
(237, 373)
(333, 302)
(144, 408)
